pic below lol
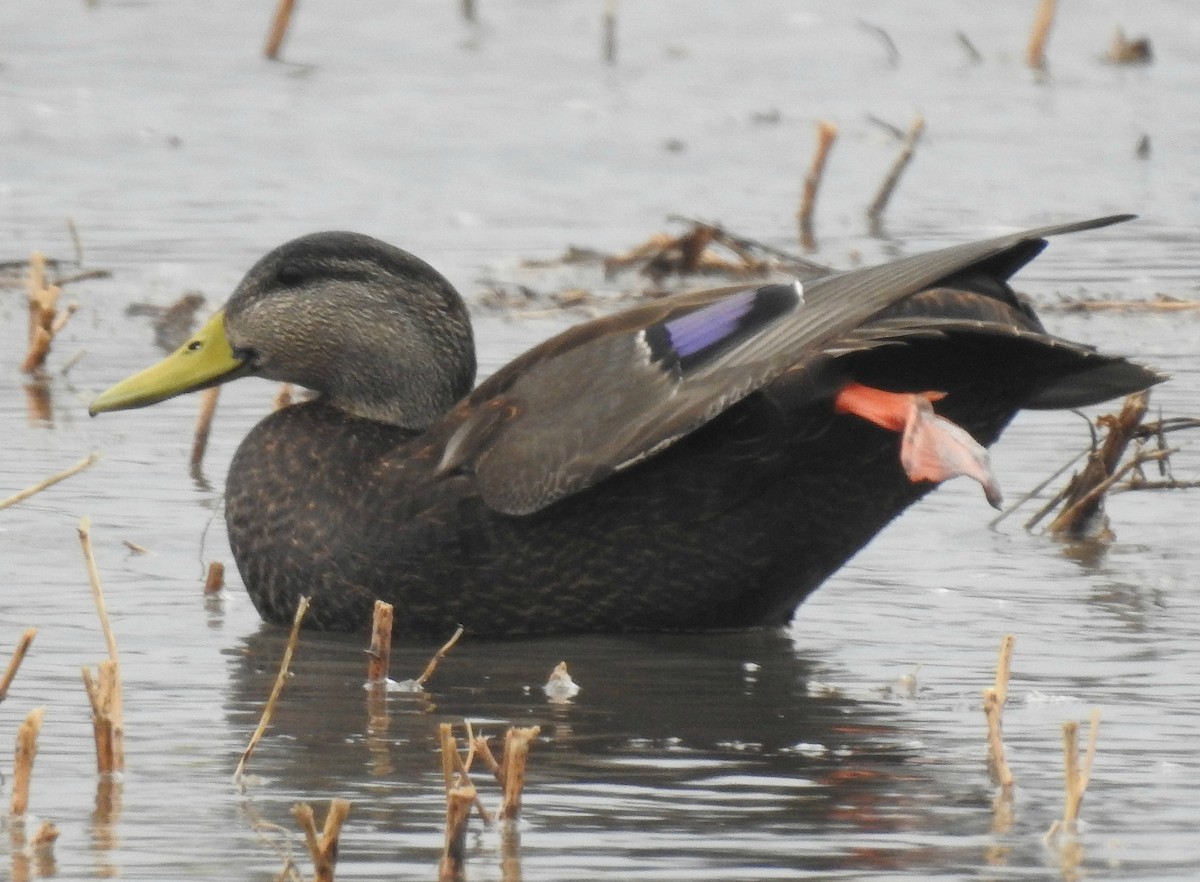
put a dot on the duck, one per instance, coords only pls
(698, 462)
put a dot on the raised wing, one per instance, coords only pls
(607, 394)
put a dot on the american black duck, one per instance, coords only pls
(703, 461)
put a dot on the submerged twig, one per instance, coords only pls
(204, 419)
(438, 656)
(21, 496)
(1035, 52)
(14, 663)
(281, 677)
(826, 135)
(279, 27)
(875, 211)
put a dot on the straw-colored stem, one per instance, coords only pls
(26, 752)
(1077, 774)
(380, 653)
(21, 496)
(459, 801)
(517, 742)
(204, 420)
(826, 135)
(279, 26)
(104, 695)
(323, 846)
(108, 712)
(1003, 667)
(281, 677)
(1035, 54)
(14, 663)
(438, 656)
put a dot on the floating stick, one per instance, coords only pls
(301, 609)
(279, 26)
(14, 663)
(107, 715)
(208, 406)
(438, 656)
(826, 135)
(1035, 54)
(875, 212)
(84, 463)
(322, 848)
(27, 734)
(380, 652)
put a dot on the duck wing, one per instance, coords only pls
(609, 393)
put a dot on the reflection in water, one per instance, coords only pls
(105, 817)
(703, 739)
(39, 404)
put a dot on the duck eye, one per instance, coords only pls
(194, 345)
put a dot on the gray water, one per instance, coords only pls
(181, 156)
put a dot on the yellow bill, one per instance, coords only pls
(204, 360)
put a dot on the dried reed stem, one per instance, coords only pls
(479, 744)
(204, 419)
(84, 463)
(104, 694)
(1035, 54)
(1083, 510)
(826, 135)
(459, 801)
(517, 742)
(1076, 774)
(284, 664)
(1004, 666)
(26, 752)
(44, 318)
(875, 212)
(14, 663)
(279, 26)
(380, 653)
(438, 656)
(323, 847)
(214, 581)
(108, 717)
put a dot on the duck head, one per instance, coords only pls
(377, 332)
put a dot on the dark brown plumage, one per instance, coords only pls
(680, 465)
